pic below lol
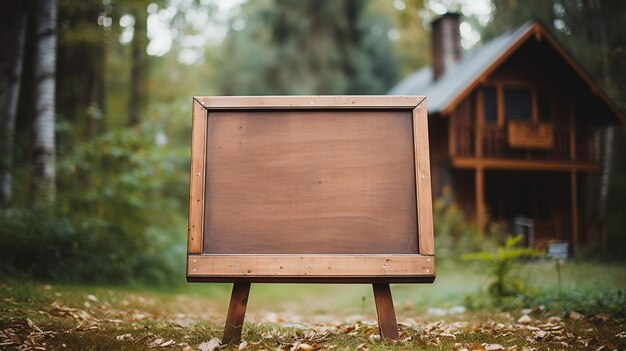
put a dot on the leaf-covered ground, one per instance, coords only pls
(60, 317)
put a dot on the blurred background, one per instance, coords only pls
(96, 115)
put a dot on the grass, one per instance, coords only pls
(87, 317)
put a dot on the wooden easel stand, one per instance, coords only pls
(387, 324)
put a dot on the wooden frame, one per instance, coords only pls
(396, 127)
(325, 268)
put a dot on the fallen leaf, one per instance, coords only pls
(304, 347)
(242, 345)
(493, 347)
(167, 343)
(602, 317)
(124, 337)
(33, 326)
(92, 298)
(554, 319)
(576, 316)
(525, 319)
(157, 342)
(476, 347)
(374, 337)
(362, 347)
(210, 345)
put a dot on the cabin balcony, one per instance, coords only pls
(523, 145)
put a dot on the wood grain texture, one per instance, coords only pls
(527, 165)
(310, 102)
(197, 176)
(322, 182)
(236, 313)
(574, 209)
(387, 324)
(422, 176)
(310, 266)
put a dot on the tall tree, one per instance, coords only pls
(13, 15)
(81, 63)
(139, 59)
(44, 157)
(308, 47)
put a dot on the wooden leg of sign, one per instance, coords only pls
(236, 313)
(387, 324)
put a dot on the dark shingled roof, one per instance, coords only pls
(442, 92)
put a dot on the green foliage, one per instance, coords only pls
(307, 47)
(454, 234)
(119, 218)
(500, 264)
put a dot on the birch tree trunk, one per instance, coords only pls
(44, 157)
(8, 100)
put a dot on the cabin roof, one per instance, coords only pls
(458, 81)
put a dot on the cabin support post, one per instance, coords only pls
(574, 192)
(480, 198)
(387, 324)
(236, 313)
(572, 132)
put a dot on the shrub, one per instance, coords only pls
(500, 263)
(119, 215)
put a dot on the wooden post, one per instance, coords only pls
(387, 324)
(480, 112)
(452, 133)
(480, 199)
(574, 191)
(236, 313)
(500, 104)
(572, 132)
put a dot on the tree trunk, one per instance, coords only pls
(8, 105)
(44, 157)
(139, 71)
(607, 166)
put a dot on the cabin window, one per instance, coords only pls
(517, 104)
(490, 104)
(543, 103)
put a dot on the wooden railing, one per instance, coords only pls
(495, 144)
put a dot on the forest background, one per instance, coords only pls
(95, 99)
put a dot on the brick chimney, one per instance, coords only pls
(446, 43)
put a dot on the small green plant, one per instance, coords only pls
(500, 263)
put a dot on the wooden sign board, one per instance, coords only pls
(325, 189)
(522, 134)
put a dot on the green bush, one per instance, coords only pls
(120, 215)
(454, 234)
(500, 264)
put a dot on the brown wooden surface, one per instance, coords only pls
(571, 120)
(481, 212)
(311, 266)
(310, 102)
(423, 176)
(528, 165)
(387, 324)
(236, 313)
(326, 182)
(574, 209)
(530, 135)
(500, 104)
(196, 181)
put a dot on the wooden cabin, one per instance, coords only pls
(515, 130)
